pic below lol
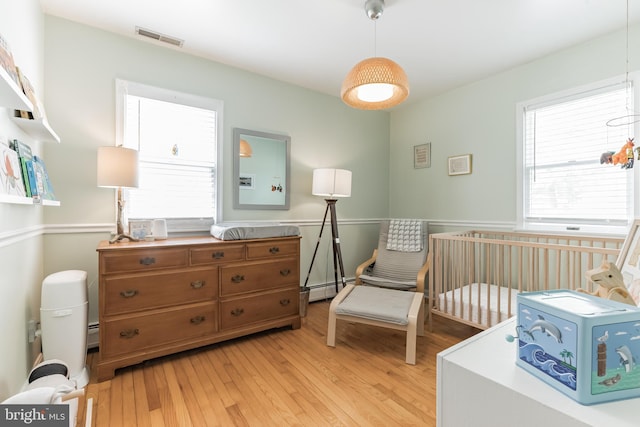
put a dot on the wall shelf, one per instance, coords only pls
(37, 128)
(11, 96)
(19, 200)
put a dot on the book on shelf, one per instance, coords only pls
(27, 88)
(10, 173)
(6, 61)
(45, 189)
(25, 157)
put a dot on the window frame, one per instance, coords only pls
(127, 87)
(523, 223)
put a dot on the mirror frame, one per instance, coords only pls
(236, 169)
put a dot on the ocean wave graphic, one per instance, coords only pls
(535, 355)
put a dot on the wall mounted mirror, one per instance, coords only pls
(261, 170)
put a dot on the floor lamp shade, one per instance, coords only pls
(331, 183)
(117, 167)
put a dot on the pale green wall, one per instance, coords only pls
(21, 259)
(480, 119)
(82, 64)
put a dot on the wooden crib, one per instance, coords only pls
(476, 275)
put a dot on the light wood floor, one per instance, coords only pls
(281, 377)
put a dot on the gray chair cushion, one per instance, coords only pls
(395, 266)
(386, 283)
(377, 304)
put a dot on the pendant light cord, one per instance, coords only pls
(375, 38)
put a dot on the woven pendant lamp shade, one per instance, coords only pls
(375, 70)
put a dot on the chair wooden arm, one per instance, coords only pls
(422, 274)
(360, 269)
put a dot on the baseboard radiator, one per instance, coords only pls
(93, 336)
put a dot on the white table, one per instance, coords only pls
(479, 384)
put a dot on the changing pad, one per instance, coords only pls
(242, 231)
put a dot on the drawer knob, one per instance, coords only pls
(274, 250)
(129, 333)
(285, 272)
(147, 261)
(237, 278)
(217, 255)
(129, 293)
(197, 284)
(285, 301)
(197, 320)
(237, 311)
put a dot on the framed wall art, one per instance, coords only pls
(459, 165)
(247, 181)
(140, 229)
(422, 156)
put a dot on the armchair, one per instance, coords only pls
(389, 287)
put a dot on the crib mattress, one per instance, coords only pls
(243, 231)
(463, 303)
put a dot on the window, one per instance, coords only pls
(178, 139)
(562, 183)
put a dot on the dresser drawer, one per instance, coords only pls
(135, 333)
(142, 260)
(217, 254)
(258, 276)
(242, 311)
(259, 250)
(133, 293)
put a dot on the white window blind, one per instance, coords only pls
(564, 182)
(178, 151)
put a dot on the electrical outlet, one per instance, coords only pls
(31, 328)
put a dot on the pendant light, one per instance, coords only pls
(375, 83)
(245, 149)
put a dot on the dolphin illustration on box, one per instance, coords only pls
(586, 347)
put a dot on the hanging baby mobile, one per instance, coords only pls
(624, 157)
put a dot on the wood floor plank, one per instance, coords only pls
(281, 377)
(140, 398)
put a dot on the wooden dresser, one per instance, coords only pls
(162, 297)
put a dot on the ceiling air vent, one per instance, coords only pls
(160, 37)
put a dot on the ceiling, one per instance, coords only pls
(441, 44)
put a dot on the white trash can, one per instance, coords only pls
(63, 321)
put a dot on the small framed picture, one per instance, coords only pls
(247, 181)
(139, 229)
(422, 156)
(460, 165)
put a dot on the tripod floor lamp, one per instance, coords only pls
(331, 183)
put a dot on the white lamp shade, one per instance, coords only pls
(117, 167)
(331, 183)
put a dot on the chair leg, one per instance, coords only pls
(331, 327)
(420, 331)
(410, 356)
(415, 325)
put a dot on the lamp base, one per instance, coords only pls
(120, 237)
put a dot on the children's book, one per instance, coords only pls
(10, 175)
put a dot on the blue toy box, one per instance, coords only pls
(584, 346)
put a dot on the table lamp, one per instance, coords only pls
(118, 168)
